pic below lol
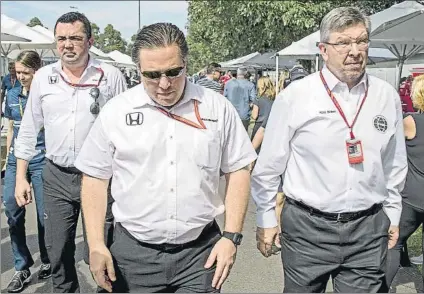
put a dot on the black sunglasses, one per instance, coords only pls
(170, 73)
(95, 106)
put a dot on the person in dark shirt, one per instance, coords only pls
(262, 105)
(412, 195)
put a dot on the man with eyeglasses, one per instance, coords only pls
(163, 143)
(337, 138)
(65, 99)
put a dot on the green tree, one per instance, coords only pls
(222, 30)
(34, 22)
(130, 45)
(112, 40)
(95, 32)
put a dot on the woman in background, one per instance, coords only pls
(27, 63)
(412, 195)
(262, 105)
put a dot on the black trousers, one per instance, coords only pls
(62, 205)
(410, 220)
(315, 249)
(148, 268)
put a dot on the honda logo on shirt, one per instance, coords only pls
(53, 79)
(134, 118)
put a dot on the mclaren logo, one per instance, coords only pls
(134, 118)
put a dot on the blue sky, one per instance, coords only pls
(123, 15)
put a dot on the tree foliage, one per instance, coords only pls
(222, 30)
(108, 40)
(34, 22)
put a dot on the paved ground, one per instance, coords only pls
(251, 273)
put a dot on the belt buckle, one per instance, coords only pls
(338, 217)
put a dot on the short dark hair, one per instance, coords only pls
(72, 17)
(159, 35)
(30, 59)
(11, 64)
(213, 67)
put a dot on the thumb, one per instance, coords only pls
(211, 259)
(110, 269)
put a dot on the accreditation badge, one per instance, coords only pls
(354, 151)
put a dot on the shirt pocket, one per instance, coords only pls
(207, 149)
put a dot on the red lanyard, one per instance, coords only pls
(102, 73)
(350, 126)
(184, 120)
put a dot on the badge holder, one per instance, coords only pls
(354, 151)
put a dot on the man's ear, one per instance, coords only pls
(90, 42)
(323, 51)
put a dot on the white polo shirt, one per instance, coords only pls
(165, 173)
(305, 140)
(63, 110)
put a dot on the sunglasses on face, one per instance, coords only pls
(170, 73)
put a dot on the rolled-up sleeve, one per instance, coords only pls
(238, 151)
(395, 167)
(96, 155)
(272, 161)
(32, 122)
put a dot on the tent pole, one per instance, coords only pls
(316, 62)
(276, 74)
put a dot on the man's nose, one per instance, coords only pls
(164, 82)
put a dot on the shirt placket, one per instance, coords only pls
(72, 123)
(171, 181)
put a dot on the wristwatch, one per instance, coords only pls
(234, 237)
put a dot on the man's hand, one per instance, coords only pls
(393, 236)
(265, 239)
(101, 267)
(22, 192)
(224, 253)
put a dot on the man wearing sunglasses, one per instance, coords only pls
(337, 138)
(164, 143)
(65, 99)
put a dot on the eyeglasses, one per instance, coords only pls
(94, 92)
(346, 46)
(170, 73)
(75, 40)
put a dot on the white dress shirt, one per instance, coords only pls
(166, 173)
(305, 141)
(64, 111)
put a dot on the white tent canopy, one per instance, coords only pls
(239, 60)
(13, 38)
(403, 36)
(16, 28)
(121, 59)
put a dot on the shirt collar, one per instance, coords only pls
(332, 81)
(190, 93)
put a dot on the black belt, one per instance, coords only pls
(169, 247)
(68, 170)
(341, 217)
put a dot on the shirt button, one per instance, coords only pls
(73, 111)
(172, 163)
(171, 137)
(172, 190)
(172, 217)
(71, 130)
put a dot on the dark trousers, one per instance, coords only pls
(410, 220)
(62, 188)
(148, 268)
(16, 215)
(352, 253)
